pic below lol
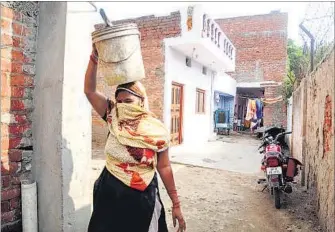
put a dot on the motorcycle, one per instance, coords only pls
(278, 166)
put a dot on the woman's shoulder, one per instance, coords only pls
(110, 106)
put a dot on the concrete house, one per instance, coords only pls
(186, 56)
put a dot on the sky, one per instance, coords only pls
(295, 10)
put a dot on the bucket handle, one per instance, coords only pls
(126, 58)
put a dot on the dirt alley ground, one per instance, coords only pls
(215, 200)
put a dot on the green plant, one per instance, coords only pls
(297, 63)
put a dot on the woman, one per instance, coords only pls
(126, 196)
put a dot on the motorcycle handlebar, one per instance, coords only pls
(281, 134)
(275, 140)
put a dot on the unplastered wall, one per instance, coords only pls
(261, 53)
(313, 138)
(319, 152)
(19, 26)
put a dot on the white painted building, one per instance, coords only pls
(195, 76)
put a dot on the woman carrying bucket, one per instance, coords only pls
(126, 195)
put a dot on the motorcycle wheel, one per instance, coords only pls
(277, 198)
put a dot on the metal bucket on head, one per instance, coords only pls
(120, 57)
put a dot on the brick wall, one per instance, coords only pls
(18, 43)
(153, 31)
(261, 51)
(315, 127)
(260, 43)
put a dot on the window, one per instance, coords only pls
(188, 62)
(204, 70)
(200, 101)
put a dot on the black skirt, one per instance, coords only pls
(119, 208)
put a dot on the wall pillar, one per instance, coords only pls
(211, 134)
(62, 116)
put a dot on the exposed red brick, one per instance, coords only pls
(17, 105)
(14, 55)
(261, 53)
(10, 194)
(8, 40)
(15, 203)
(327, 126)
(5, 181)
(17, 50)
(6, 25)
(18, 92)
(15, 129)
(5, 206)
(18, 29)
(16, 180)
(21, 119)
(8, 66)
(10, 14)
(10, 143)
(8, 167)
(15, 155)
(10, 216)
(21, 80)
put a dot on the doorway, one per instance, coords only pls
(176, 114)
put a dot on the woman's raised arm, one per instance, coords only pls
(97, 99)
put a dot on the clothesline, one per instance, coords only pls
(246, 97)
(265, 100)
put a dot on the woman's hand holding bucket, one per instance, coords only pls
(94, 54)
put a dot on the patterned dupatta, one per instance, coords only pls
(134, 126)
(136, 136)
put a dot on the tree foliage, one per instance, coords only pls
(297, 63)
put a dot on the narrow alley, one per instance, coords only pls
(86, 82)
(217, 185)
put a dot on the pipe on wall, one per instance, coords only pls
(29, 206)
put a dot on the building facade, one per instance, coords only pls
(261, 56)
(186, 57)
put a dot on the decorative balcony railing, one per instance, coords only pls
(212, 30)
(203, 40)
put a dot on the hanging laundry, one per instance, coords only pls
(251, 109)
(248, 116)
(259, 109)
(247, 124)
(254, 123)
(253, 106)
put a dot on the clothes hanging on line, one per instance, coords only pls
(251, 109)
(259, 109)
(254, 123)
(266, 100)
(247, 124)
